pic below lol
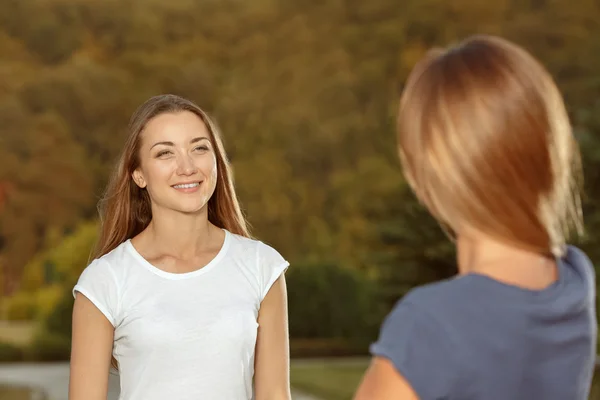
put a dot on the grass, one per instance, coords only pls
(14, 393)
(17, 333)
(331, 380)
(339, 379)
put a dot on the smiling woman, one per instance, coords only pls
(177, 289)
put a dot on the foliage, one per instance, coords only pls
(10, 353)
(328, 379)
(62, 261)
(336, 347)
(49, 346)
(305, 93)
(47, 299)
(411, 250)
(326, 301)
(58, 321)
(20, 307)
(27, 306)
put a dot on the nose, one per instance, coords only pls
(186, 166)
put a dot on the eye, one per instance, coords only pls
(202, 148)
(163, 153)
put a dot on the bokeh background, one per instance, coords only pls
(305, 93)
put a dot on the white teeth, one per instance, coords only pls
(186, 186)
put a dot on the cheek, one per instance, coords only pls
(157, 172)
(156, 175)
(214, 174)
(209, 167)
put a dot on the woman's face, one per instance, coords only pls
(178, 164)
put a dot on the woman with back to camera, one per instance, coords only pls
(187, 304)
(487, 147)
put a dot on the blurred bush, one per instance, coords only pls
(47, 299)
(332, 310)
(20, 307)
(27, 306)
(62, 261)
(307, 348)
(58, 321)
(10, 353)
(52, 340)
(49, 346)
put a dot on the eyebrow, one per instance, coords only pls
(194, 140)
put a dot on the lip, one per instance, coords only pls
(187, 190)
(186, 183)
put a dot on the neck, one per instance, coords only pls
(180, 233)
(486, 256)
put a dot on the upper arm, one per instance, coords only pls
(414, 357)
(272, 345)
(91, 351)
(382, 382)
(95, 314)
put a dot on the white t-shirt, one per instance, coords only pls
(187, 336)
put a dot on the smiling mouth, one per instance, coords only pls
(187, 185)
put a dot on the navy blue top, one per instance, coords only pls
(474, 338)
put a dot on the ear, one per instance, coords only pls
(138, 178)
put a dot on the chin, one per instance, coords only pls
(190, 208)
(185, 204)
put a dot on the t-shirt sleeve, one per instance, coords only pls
(419, 349)
(97, 282)
(270, 267)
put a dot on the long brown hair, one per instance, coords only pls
(486, 143)
(125, 209)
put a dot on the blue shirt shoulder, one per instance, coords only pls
(472, 337)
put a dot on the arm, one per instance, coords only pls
(91, 350)
(383, 382)
(272, 346)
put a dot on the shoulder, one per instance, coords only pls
(101, 282)
(254, 249)
(268, 254)
(579, 260)
(426, 316)
(117, 261)
(241, 245)
(264, 262)
(112, 267)
(418, 340)
(428, 305)
(436, 298)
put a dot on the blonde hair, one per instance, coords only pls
(485, 143)
(125, 209)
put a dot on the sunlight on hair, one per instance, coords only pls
(486, 143)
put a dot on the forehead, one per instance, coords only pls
(174, 127)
